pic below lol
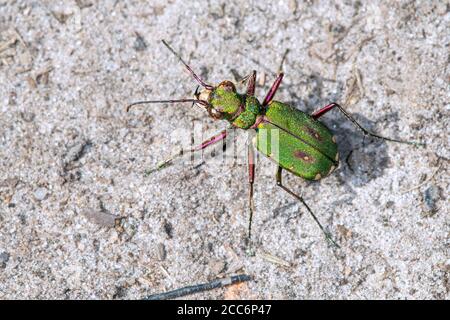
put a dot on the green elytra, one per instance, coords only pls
(306, 147)
(295, 141)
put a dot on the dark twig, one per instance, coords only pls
(217, 283)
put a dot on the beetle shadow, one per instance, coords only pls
(362, 158)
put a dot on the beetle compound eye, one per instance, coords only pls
(227, 86)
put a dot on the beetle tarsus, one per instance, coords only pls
(280, 184)
(330, 239)
(159, 166)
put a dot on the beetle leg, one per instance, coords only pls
(322, 111)
(317, 114)
(277, 82)
(219, 137)
(280, 184)
(251, 84)
(273, 90)
(251, 179)
(251, 81)
(213, 140)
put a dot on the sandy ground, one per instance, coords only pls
(78, 218)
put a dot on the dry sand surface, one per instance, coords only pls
(79, 219)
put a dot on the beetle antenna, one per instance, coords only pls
(196, 77)
(204, 103)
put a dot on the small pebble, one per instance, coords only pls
(447, 265)
(347, 271)
(161, 252)
(101, 218)
(120, 292)
(217, 267)
(262, 79)
(27, 116)
(430, 197)
(76, 151)
(168, 229)
(4, 258)
(139, 43)
(293, 6)
(40, 193)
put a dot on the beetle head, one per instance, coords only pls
(223, 101)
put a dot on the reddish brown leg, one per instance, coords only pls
(280, 184)
(273, 90)
(317, 114)
(219, 137)
(251, 84)
(251, 180)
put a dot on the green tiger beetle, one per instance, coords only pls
(296, 141)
